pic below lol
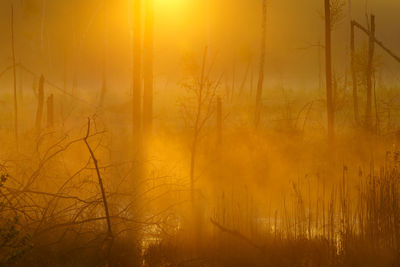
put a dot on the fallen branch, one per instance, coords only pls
(237, 234)
(367, 32)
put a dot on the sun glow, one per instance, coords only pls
(170, 5)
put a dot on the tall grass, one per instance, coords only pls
(345, 224)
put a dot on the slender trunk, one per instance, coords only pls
(192, 169)
(105, 55)
(219, 139)
(14, 76)
(246, 74)
(354, 74)
(21, 94)
(197, 129)
(219, 121)
(39, 112)
(43, 20)
(377, 130)
(103, 89)
(334, 88)
(197, 216)
(148, 69)
(328, 62)
(75, 49)
(233, 80)
(137, 88)
(368, 112)
(65, 71)
(262, 63)
(251, 81)
(320, 85)
(50, 111)
(62, 103)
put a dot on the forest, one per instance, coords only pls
(199, 133)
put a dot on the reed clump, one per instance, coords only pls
(345, 224)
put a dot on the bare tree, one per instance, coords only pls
(371, 49)
(148, 69)
(354, 73)
(39, 111)
(197, 110)
(262, 63)
(50, 111)
(136, 101)
(328, 70)
(367, 64)
(219, 121)
(105, 55)
(15, 76)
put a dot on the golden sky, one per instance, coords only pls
(49, 33)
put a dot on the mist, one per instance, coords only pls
(221, 133)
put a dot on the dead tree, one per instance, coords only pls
(219, 121)
(197, 109)
(354, 73)
(105, 56)
(378, 42)
(262, 64)
(50, 111)
(246, 74)
(371, 49)
(39, 111)
(233, 80)
(14, 76)
(148, 69)
(328, 70)
(251, 82)
(198, 125)
(136, 101)
(372, 41)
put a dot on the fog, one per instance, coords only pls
(204, 139)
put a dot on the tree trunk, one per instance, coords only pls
(193, 153)
(197, 129)
(233, 80)
(105, 56)
(354, 74)
(50, 111)
(39, 112)
(148, 69)
(14, 76)
(136, 72)
(371, 48)
(246, 74)
(262, 63)
(219, 121)
(251, 82)
(328, 70)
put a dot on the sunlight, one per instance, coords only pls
(170, 6)
(154, 133)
